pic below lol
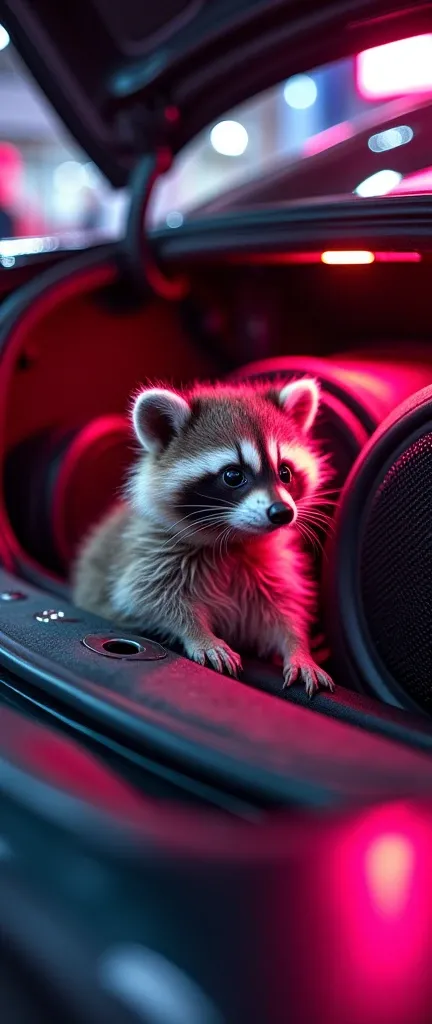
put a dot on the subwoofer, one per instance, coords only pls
(58, 483)
(378, 578)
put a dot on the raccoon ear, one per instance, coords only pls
(158, 414)
(300, 400)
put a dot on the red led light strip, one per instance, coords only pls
(331, 257)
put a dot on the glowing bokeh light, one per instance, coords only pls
(395, 69)
(174, 219)
(300, 92)
(380, 889)
(4, 38)
(391, 138)
(346, 257)
(389, 866)
(229, 138)
(70, 176)
(379, 184)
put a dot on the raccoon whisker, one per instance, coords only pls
(220, 542)
(198, 526)
(331, 494)
(228, 533)
(210, 508)
(308, 535)
(304, 510)
(204, 509)
(305, 536)
(328, 490)
(198, 511)
(315, 519)
(315, 501)
(319, 542)
(225, 539)
(312, 521)
(213, 520)
(180, 538)
(316, 513)
(312, 513)
(222, 501)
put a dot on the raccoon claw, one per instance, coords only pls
(308, 673)
(219, 656)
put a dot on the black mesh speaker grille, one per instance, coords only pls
(396, 571)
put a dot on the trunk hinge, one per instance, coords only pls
(137, 250)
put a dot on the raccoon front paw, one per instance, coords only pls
(217, 654)
(304, 670)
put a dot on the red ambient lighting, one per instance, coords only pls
(382, 897)
(397, 257)
(342, 258)
(416, 183)
(332, 257)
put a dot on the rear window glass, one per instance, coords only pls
(358, 127)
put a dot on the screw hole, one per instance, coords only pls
(122, 647)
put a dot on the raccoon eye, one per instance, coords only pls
(285, 473)
(233, 476)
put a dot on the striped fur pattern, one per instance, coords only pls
(193, 552)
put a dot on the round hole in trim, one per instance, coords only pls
(114, 645)
(123, 647)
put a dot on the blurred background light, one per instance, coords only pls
(379, 184)
(174, 219)
(70, 176)
(395, 69)
(229, 138)
(300, 92)
(4, 38)
(391, 138)
(389, 865)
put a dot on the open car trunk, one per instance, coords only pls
(74, 344)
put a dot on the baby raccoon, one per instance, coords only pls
(206, 547)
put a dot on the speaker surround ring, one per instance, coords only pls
(352, 644)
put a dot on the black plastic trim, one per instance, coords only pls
(211, 727)
(350, 223)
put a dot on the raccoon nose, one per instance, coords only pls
(280, 514)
